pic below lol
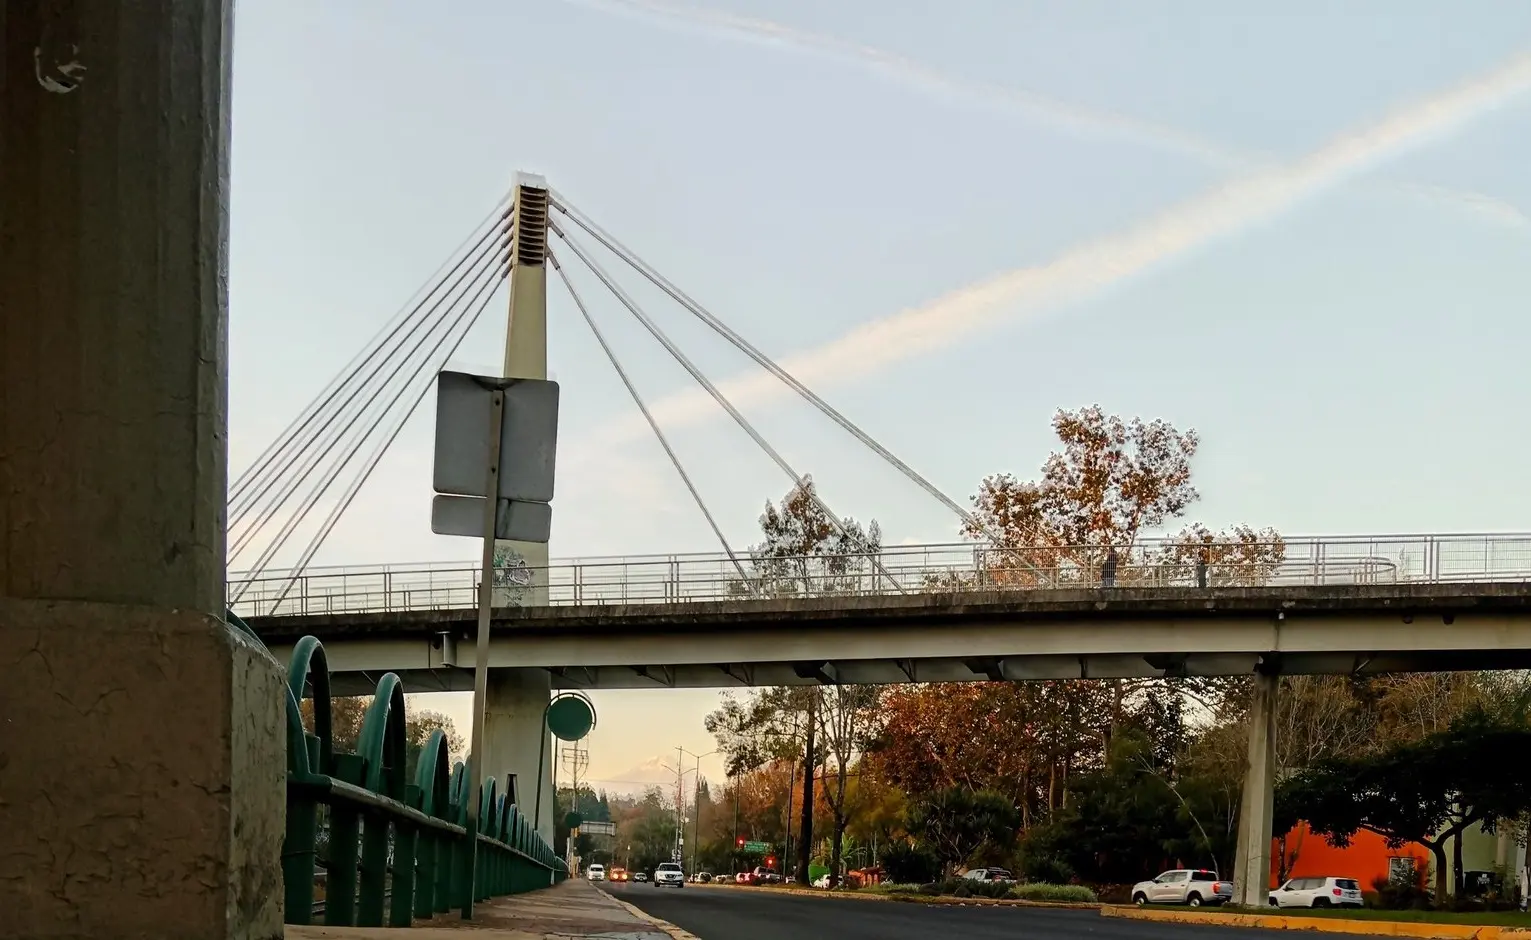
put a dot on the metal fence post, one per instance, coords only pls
(299, 853)
(402, 906)
(426, 844)
(340, 875)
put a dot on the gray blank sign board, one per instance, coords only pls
(513, 521)
(528, 437)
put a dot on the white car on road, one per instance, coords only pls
(1190, 886)
(669, 873)
(596, 873)
(1317, 892)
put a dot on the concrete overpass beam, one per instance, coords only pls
(1252, 878)
(517, 745)
(144, 758)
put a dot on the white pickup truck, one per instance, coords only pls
(1190, 886)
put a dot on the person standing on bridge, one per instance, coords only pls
(1108, 570)
(1201, 568)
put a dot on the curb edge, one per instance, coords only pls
(677, 933)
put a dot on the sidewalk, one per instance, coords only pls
(574, 909)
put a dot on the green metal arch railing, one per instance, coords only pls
(397, 849)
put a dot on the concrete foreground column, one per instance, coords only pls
(515, 733)
(1252, 879)
(141, 747)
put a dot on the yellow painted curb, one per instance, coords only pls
(1375, 928)
(938, 900)
(677, 933)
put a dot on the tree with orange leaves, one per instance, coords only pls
(1113, 481)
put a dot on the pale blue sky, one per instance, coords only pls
(1353, 358)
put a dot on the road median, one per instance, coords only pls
(931, 899)
(1365, 927)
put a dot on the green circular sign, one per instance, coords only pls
(572, 820)
(570, 717)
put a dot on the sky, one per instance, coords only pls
(1300, 228)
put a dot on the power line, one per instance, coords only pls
(649, 417)
(722, 400)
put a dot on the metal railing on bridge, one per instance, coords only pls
(385, 849)
(903, 569)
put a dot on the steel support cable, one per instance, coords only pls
(664, 442)
(310, 460)
(416, 370)
(272, 456)
(327, 480)
(290, 474)
(253, 485)
(342, 442)
(764, 361)
(466, 320)
(240, 507)
(717, 395)
(427, 373)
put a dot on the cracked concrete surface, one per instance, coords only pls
(158, 804)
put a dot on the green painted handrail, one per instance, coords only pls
(396, 849)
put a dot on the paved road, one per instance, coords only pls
(762, 914)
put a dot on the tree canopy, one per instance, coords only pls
(1475, 771)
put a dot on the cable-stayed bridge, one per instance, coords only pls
(297, 490)
(1002, 609)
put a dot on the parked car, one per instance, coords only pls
(1317, 892)
(990, 874)
(669, 873)
(596, 873)
(765, 876)
(1190, 886)
(722, 879)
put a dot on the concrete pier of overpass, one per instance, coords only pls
(142, 743)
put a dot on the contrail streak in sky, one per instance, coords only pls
(1096, 265)
(1040, 107)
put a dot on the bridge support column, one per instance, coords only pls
(516, 739)
(526, 342)
(1252, 877)
(142, 755)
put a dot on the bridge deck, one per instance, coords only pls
(1015, 635)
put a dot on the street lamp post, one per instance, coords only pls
(696, 830)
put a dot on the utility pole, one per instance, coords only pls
(696, 827)
(786, 855)
(806, 839)
(680, 803)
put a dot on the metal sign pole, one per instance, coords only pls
(475, 767)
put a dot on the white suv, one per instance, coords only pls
(669, 873)
(596, 873)
(1317, 892)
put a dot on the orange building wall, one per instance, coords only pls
(1365, 859)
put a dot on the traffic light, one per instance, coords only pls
(770, 861)
(741, 842)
